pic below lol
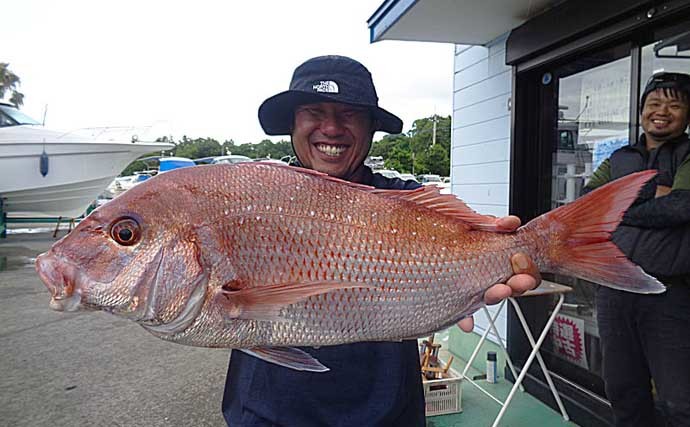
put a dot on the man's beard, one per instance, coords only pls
(660, 136)
(663, 136)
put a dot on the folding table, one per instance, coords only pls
(546, 288)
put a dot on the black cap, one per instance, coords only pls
(491, 356)
(329, 78)
(666, 80)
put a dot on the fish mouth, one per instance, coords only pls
(62, 280)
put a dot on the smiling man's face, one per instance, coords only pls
(333, 138)
(663, 116)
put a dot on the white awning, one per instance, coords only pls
(474, 22)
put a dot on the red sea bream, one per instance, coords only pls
(264, 258)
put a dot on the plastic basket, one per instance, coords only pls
(443, 396)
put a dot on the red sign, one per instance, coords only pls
(568, 338)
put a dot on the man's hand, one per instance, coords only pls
(526, 277)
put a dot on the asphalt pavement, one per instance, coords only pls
(92, 368)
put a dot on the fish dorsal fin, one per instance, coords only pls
(318, 174)
(428, 196)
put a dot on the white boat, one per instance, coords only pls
(45, 172)
(123, 183)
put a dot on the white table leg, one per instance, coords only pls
(482, 339)
(530, 358)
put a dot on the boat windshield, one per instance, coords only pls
(10, 116)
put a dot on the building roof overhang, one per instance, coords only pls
(451, 21)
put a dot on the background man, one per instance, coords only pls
(645, 336)
(331, 112)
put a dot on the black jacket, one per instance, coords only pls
(655, 232)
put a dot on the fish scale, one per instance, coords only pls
(263, 258)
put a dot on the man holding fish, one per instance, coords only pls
(331, 112)
(321, 278)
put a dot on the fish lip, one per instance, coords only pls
(71, 303)
(67, 284)
(63, 280)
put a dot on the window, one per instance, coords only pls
(10, 116)
(592, 120)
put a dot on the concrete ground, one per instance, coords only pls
(92, 368)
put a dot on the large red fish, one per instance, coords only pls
(264, 258)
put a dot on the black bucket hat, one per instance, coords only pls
(666, 80)
(329, 78)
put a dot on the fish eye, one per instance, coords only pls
(125, 231)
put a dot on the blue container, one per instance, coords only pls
(170, 163)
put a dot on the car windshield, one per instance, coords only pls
(408, 176)
(389, 173)
(231, 159)
(10, 116)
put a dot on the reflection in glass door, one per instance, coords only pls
(669, 52)
(593, 120)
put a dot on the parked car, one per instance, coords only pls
(408, 177)
(388, 173)
(231, 159)
(430, 179)
(374, 162)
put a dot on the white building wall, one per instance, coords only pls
(480, 145)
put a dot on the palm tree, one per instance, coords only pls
(9, 83)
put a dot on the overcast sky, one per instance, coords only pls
(202, 68)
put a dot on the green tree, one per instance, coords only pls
(209, 147)
(229, 147)
(264, 149)
(135, 166)
(436, 160)
(198, 148)
(432, 155)
(9, 82)
(396, 152)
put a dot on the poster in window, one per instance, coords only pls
(568, 337)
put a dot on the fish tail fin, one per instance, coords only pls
(576, 237)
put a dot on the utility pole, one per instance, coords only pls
(433, 137)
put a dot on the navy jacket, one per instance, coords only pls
(369, 384)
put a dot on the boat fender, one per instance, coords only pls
(44, 163)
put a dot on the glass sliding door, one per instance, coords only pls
(592, 120)
(594, 113)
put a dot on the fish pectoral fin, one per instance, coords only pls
(288, 357)
(265, 302)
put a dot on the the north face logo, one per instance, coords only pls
(326, 86)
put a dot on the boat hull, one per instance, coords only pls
(77, 173)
